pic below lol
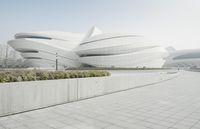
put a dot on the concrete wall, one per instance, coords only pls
(23, 96)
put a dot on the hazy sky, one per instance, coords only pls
(170, 22)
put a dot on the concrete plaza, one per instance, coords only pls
(172, 104)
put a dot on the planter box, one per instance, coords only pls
(24, 96)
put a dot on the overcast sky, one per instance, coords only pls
(170, 22)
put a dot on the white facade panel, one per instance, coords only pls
(134, 59)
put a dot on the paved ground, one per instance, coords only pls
(173, 104)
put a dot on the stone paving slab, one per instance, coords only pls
(173, 104)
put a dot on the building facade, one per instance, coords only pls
(94, 49)
(183, 58)
(41, 49)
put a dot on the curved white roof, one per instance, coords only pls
(96, 43)
(107, 36)
(52, 34)
(94, 34)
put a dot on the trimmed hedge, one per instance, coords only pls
(34, 75)
(116, 68)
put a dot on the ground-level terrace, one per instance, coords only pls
(171, 104)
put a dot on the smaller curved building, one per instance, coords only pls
(183, 58)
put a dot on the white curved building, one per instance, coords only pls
(41, 49)
(95, 49)
(183, 59)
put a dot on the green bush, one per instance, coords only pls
(4, 77)
(33, 75)
(51, 75)
(59, 75)
(66, 75)
(42, 75)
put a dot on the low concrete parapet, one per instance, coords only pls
(24, 96)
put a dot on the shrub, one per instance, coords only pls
(80, 75)
(58, 75)
(51, 76)
(73, 74)
(32, 75)
(4, 77)
(66, 75)
(42, 75)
